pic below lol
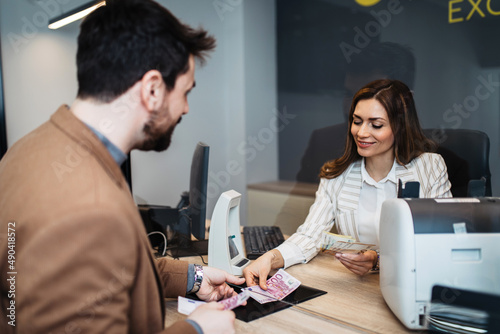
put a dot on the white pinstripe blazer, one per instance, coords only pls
(337, 202)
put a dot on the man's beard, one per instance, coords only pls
(156, 140)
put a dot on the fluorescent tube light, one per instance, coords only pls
(75, 14)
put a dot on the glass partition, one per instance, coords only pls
(445, 51)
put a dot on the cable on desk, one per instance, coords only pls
(164, 238)
(194, 254)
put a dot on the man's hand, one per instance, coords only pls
(213, 319)
(258, 270)
(360, 263)
(214, 287)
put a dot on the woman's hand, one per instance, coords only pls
(258, 270)
(360, 263)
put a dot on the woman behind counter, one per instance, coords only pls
(385, 143)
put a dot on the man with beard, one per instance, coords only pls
(79, 253)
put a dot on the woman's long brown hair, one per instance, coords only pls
(409, 139)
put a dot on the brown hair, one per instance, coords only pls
(121, 41)
(409, 139)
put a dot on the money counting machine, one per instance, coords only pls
(437, 242)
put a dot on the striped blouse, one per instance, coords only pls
(337, 202)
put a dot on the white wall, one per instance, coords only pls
(38, 64)
(234, 97)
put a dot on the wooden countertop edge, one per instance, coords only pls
(286, 187)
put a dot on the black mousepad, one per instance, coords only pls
(253, 310)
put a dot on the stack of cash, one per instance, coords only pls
(235, 301)
(187, 305)
(278, 287)
(334, 243)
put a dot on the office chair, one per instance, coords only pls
(473, 146)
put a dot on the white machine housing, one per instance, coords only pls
(225, 247)
(425, 242)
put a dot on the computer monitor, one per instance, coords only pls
(198, 183)
(187, 220)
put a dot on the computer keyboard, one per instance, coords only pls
(260, 239)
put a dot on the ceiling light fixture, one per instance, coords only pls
(75, 14)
